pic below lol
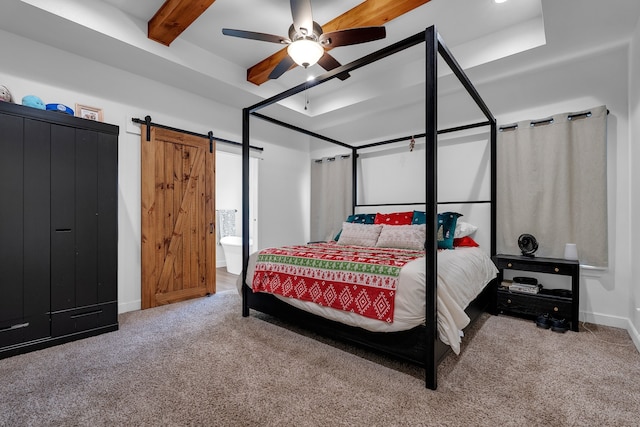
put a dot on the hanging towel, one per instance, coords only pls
(226, 223)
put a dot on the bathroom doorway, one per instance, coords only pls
(229, 202)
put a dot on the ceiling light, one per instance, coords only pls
(499, 1)
(305, 52)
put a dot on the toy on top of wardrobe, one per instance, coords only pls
(5, 94)
(33, 101)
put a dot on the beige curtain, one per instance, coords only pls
(552, 183)
(330, 196)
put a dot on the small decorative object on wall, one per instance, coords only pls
(527, 244)
(5, 95)
(89, 113)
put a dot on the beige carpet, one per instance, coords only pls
(200, 363)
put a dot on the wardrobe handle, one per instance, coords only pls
(17, 326)
(91, 313)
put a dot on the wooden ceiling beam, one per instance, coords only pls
(366, 14)
(173, 17)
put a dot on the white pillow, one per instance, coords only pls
(464, 229)
(359, 234)
(403, 236)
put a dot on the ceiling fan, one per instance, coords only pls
(307, 42)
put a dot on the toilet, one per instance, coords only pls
(232, 247)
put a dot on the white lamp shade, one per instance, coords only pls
(305, 52)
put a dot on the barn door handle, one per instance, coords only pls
(210, 228)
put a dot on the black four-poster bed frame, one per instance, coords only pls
(419, 345)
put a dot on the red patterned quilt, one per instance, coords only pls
(358, 279)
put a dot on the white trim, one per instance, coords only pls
(605, 320)
(130, 306)
(592, 271)
(634, 334)
(614, 322)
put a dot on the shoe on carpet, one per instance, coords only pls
(559, 325)
(543, 321)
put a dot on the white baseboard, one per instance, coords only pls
(614, 322)
(129, 306)
(635, 335)
(605, 320)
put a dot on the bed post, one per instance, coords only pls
(431, 207)
(245, 209)
(354, 179)
(494, 189)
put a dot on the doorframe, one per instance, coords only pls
(221, 262)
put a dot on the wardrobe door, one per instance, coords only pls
(84, 230)
(108, 220)
(11, 226)
(63, 227)
(86, 213)
(24, 224)
(37, 252)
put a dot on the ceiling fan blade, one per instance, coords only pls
(352, 36)
(302, 16)
(282, 67)
(255, 36)
(328, 62)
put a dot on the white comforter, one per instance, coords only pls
(462, 274)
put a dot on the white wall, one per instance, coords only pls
(27, 70)
(634, 191)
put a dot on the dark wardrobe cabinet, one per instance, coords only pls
(58, 228)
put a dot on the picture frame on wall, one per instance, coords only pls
(89, 113)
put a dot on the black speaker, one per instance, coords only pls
(526, 280)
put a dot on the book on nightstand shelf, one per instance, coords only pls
(506, 284)
(525, 288)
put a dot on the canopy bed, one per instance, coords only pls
(421, 343)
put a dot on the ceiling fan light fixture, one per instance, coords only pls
(305, 52)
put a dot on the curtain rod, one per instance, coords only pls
(147, 121)
(370, 205)
(549, 120)
(332, 158)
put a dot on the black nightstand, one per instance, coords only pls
(531, 305)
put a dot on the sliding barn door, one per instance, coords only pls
(178, 217)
